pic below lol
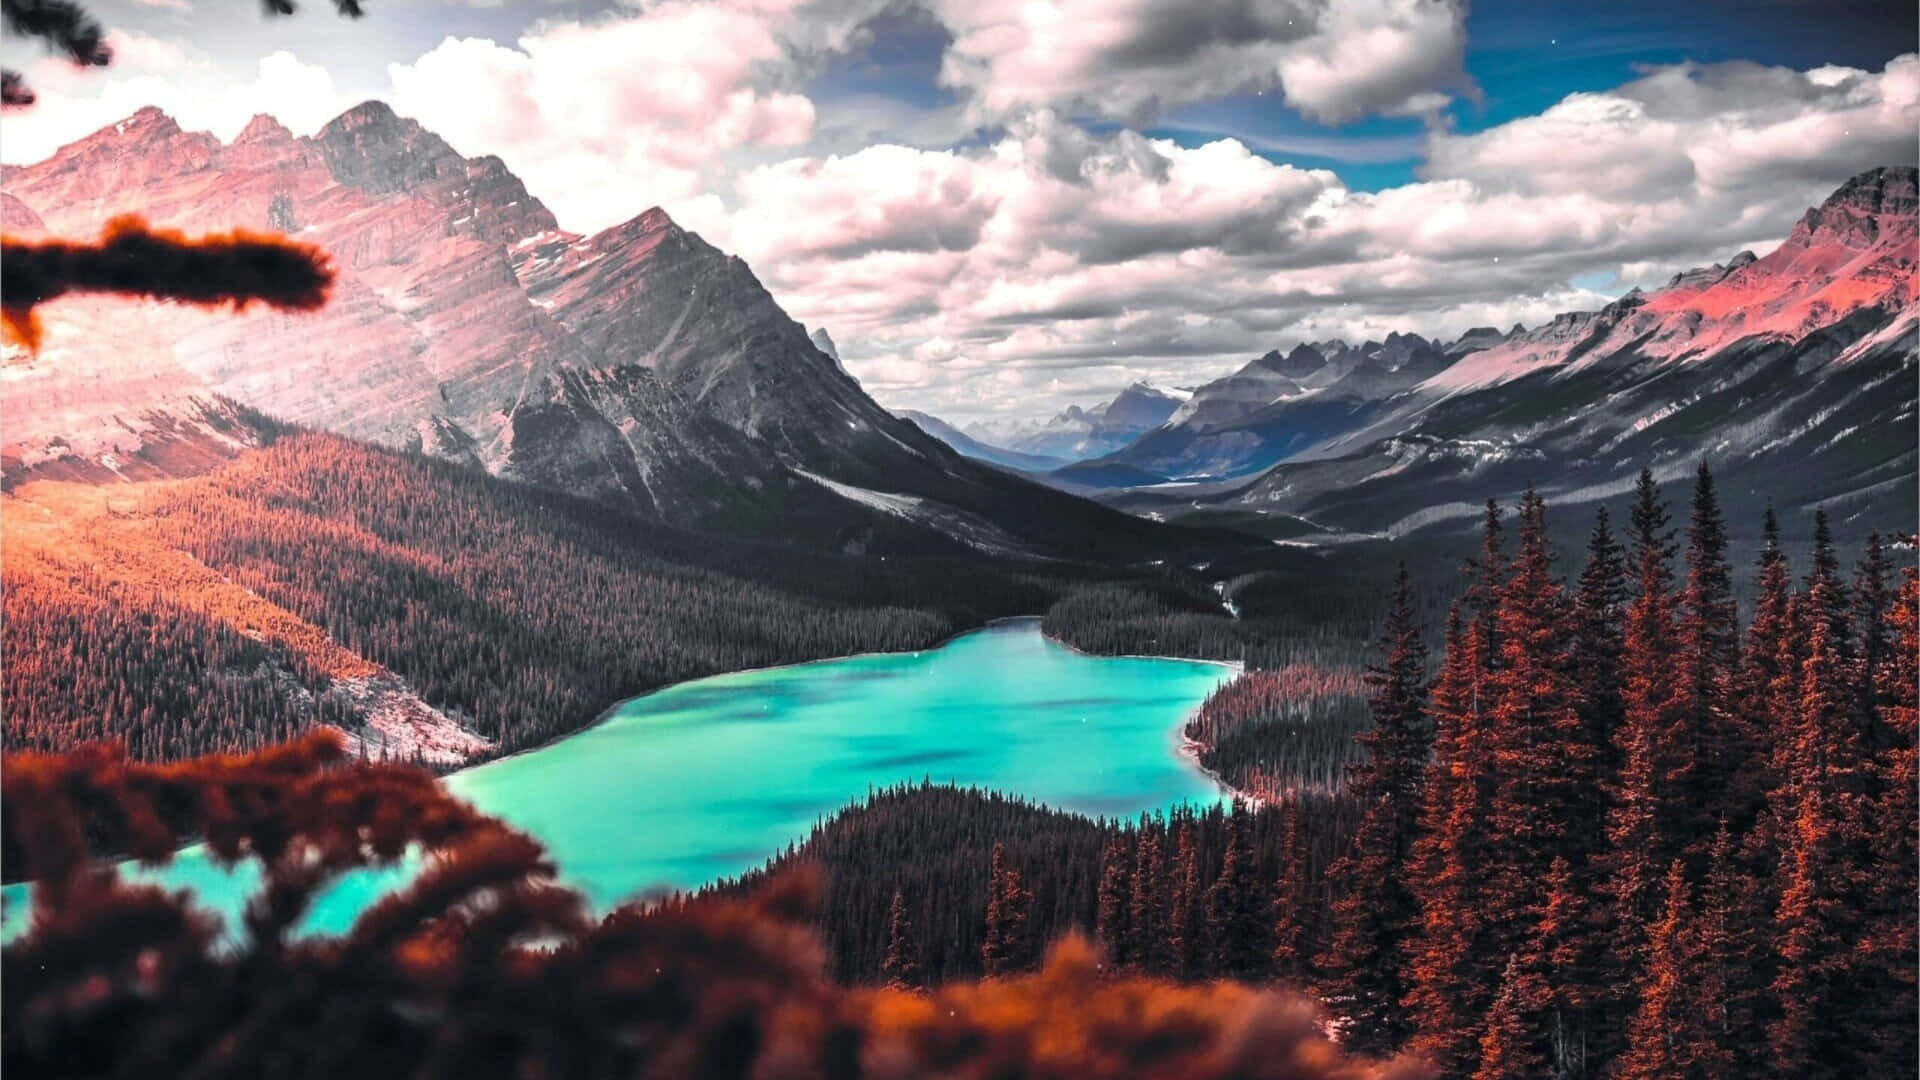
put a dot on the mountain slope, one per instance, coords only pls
(640, 366)
(1799, 364)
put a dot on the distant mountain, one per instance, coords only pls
(640, 366)
(980, 451)
(1080, 433)
(1275, 406)
(1793, 373)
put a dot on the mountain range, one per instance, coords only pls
(1078, 433)
(639, 366)
(1799, 363)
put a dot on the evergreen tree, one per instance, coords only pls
(1293, 949)
(1653, 772)
(902, 964)
(1599, 606)
(1510, 1048)
(1451, 974)
(1236, 910)
(1374, 909)
(1116, 901)
(1183, 913)
(1708, 643)
(1872, 596)
(1146, 918)
(1546, 771)
(1674, 1034)
(1894, 924)
(1818, 1030)
(1767, 677)
(1008, 947)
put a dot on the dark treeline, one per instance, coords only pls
(1189, 894)
(486, 967)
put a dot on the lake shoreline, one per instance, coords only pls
(612, 710)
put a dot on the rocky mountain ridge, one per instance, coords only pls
(639, 365)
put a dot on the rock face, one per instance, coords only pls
(1793, 373)
(640, 365)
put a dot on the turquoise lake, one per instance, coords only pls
(707, 779)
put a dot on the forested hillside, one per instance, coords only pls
(216, 613)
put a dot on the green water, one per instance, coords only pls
(707, 779)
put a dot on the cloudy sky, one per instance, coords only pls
(1002, 206)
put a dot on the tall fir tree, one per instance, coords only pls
(1374, 908)
(1510, 1049)
(1649, 796)
(1890, 945)
(1599, 609)
(1872, 596)
(902, 963)
(1115, 900)
(1768, 677)
(1708, 641)
(1546, 772)
(1184, 937)
(1008, 947)
(1294, 954)
(1674, 1034)
(1237, 908)
(1146, 917)
(1452, 972)
(1818, 1031)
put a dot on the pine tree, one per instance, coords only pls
(1374, 909)
(1489, 573)
(1115, 900)
(1871, 599)
(1599, 606)
(1546, 773)
(1293, 949)
(1653, 772)
(1735, 965)
(1146, 918)
(1183, 914)
(1510, 1048)
(1826, 864)
(1767, 678)
(1708, 652)
(1008, 947)
(1451, 976)
(1236, 910)
(902, 964)
(1893, 922)
(1674, 1032)
(1567, 952)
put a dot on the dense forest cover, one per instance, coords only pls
(523, 613)
(1616, 834)
(484, 967)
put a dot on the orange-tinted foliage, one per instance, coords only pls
(484, 967)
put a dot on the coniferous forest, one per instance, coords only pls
(1608, 827)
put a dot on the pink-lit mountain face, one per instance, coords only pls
(1853, 253)
(1793, 373)
(639, 366)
